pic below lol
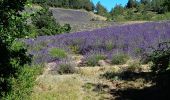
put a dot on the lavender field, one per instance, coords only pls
(134, 40)
(83, 50)
(80, 20)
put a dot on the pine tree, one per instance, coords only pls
(131, 4)
(101, 10)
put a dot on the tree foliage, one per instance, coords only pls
(131, 4)
(161, 58)
(75, 4)
(142, 10)
(117, 10)
(166, 4)
(46, 24)
(101, 10)
(12, 26)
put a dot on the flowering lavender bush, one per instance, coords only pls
(134, 40)
(65, 66)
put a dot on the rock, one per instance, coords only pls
(102, 63)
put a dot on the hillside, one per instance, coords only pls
(66, 54)
(102, 69)
(80, 20)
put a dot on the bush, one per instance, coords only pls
(46, 25)
(119, 59)
(13, 58)
(65, 67)
(22, 85)
(57, 53)
(161, 58)
(161, 65)
(93, 60)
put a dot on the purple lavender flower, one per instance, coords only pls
(133, 40)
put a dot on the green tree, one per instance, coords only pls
(101, 10)
(145, 2)
(157, 5)
(131, 4)
(46, 24)
(166, 4)
(12, 26)
(117, 10)
(89, 6)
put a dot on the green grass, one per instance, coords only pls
(22, 86)
(57, 53)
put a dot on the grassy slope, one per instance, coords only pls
(86, 84)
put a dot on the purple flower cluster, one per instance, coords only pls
(133, 40)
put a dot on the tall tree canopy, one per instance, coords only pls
(76, 4)
(101, 10)
(131, 4)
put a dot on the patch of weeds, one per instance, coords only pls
(119, 59)
(57, 53)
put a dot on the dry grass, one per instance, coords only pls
(70, 87)
(54, 87)
(86, 84)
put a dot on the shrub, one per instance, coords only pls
(161, 58)
(22, 85)
(66, 28)
(65, 67)
(46, 25)
(57, 53)
(161, 64)
(93, 60)
(119, 59)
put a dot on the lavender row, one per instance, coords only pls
(133, 40)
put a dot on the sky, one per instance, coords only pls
(109, 4)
